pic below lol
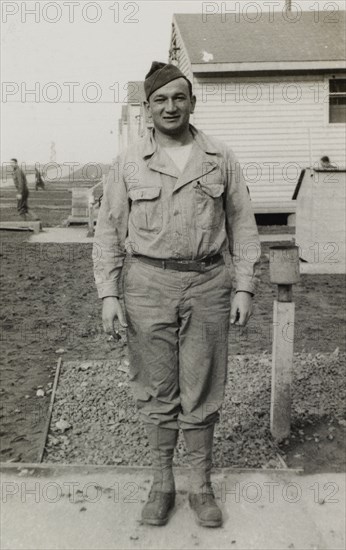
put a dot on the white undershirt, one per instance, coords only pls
(179, 155)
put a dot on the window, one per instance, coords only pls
(337, 100)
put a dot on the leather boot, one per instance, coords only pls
(199, 443)
(161, 498)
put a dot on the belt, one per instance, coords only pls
(182, 265)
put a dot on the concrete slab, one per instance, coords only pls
(325, 268)
(79, 235)
(32, 225)
(277, 238)
(88, 507)
(75, 234)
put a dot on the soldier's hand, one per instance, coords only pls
(18, 196)
(241, 308)
(111, 310)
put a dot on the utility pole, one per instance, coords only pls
(288, 5)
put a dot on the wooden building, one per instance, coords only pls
(321, 220)
(273, 88)
(134, 122)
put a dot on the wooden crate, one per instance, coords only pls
(85, 204)
(81, 200)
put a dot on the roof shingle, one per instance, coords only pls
(271, 38)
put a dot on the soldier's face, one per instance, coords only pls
(170, 107)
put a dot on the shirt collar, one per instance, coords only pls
(150, 145)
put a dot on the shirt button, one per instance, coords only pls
(176, 212)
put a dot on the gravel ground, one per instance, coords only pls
(50, 309)
(93, 403)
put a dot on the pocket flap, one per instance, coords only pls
(211, 189)
(144, 193)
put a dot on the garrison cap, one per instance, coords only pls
(159, 75)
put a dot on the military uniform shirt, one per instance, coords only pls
(151, 208)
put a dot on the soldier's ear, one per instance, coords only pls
(193, 103)
(148, 109)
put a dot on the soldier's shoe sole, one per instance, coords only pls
(156, 522)
(212, 524)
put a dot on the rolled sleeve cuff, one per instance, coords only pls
(108, 289)
(246, 286)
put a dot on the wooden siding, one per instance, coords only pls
(276, 125)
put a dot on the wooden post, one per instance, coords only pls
(91, 219)
(284, 271)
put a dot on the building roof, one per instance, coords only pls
(315, 40)
(302, 174)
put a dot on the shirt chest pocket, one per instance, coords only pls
(209, 204)
(146, 209)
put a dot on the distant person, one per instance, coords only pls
(39, 183)
(20, 181)
(326, 164)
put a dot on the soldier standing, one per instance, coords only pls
(20, 181)
(177, 201)
(39, 183)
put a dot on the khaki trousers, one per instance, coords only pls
(177, 337)
(22, 204)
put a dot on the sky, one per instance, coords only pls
(65, 65)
